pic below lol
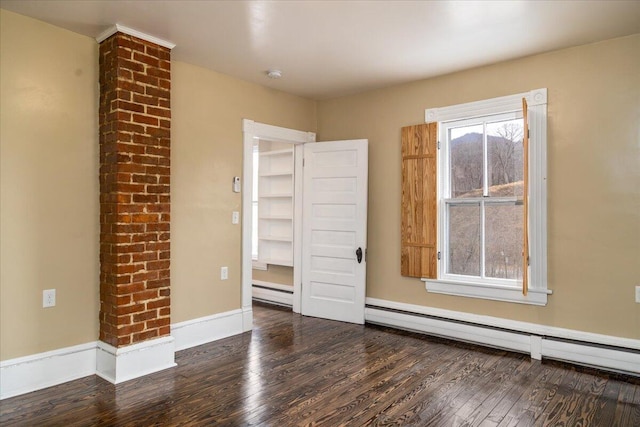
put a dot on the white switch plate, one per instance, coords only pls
(224, 273)
(48, 298)
(235, 217)
(638, 294)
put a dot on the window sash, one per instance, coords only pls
(447, 200)
(482, 202)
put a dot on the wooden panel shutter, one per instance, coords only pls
(419, 192)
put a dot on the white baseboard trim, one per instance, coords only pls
(35, 372)
(247, 319)
(121, 364)
(30, 373)
(540, 341)
(206, 329)
(272, 292)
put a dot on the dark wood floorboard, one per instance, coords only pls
(298, 371)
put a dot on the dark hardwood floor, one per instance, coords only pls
(297, 371)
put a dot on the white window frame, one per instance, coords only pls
(501, 290)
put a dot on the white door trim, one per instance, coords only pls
(252, 130)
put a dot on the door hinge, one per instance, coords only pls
(303, 162)
(365, 254)
(438, 255)
(438, 145)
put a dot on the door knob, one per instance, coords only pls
(359, 255)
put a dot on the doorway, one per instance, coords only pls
(322, 235)
(276, 140)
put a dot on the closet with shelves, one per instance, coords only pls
(275, 203)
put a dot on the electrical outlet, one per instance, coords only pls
(638, 294)
(48, 298)
(235, 217)
(224, 273)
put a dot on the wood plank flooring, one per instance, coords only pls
(297, 371)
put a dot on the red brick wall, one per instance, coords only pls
(135, 128)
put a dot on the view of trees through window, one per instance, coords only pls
(484, 206)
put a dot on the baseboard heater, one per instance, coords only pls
(602, 356)
(273, 293)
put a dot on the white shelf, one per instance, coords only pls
(276, 152)
(276, 217)
(267, 174)
(275, 205)
(275, 196)
(275, 261)
(276, 238)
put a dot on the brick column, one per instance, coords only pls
(135, 128)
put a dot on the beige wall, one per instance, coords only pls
(275, 274)
(593, 180)
(50, 195)
(206, 153)
(49, 186)
(49, 182)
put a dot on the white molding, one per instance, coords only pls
(35, 372)
(121, 364)
(247, 214)
(275, 292)
(117, 28)
(247, 319)
(486, 107)
(200, 331)
(277, 133)
(539, 341)
(30, 373)
(538, 192)
(490, 292)
(536, 347)
(298, 184)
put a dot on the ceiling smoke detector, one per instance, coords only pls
(274, 74)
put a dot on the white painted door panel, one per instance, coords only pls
(334, 227)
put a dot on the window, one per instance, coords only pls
(480, 201)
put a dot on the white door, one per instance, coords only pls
(334, 230)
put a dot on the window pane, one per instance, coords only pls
(504, 148)
(465, 145)
(464, 239)
(503, 251)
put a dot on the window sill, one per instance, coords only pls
(486, 291)
(256, 265)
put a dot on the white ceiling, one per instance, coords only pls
(333, 48)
